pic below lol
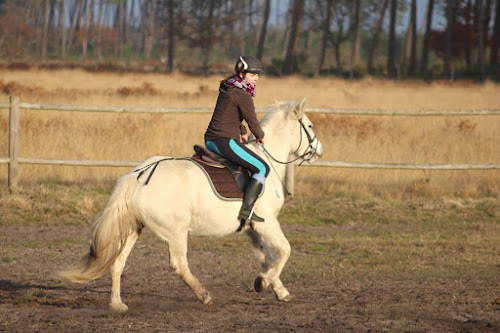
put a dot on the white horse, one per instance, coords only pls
(175, 200)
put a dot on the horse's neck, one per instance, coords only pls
(277, 143)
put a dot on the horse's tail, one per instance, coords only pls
(108, 234)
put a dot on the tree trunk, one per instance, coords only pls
(243, 27)
(45, 35)
(81, 23)
(356, 40)
(123, 26)
(62, 24)
(376, 35)
(148, 10)
(263, 30)
(86, 30)
(413, 51)
(297, 14)
(450, 8)
(425, 49)
(53, 26)
(391, 69)
(74, 23)
(99, 32)
(325, 32)
(171, 36)
(481, 59)
(206, 46)
(496, 36)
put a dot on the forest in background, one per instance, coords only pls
(457, 39)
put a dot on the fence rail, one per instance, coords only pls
(192, 110)
(14, 106)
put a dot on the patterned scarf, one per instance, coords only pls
(242, 84)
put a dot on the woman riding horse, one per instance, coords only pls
(226, 134)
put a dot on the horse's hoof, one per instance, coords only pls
(259, 284)
(287, 298)
(118, 307)
(208, 300)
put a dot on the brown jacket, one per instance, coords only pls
(233, 106)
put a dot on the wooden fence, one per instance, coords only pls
(15, 106)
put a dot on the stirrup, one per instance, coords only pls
(252, 218)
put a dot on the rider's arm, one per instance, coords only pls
(245, 104)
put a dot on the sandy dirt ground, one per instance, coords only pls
(326, 298)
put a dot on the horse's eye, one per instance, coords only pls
(311, 126)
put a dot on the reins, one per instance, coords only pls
(310, 150)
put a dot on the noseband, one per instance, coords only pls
(311, 149)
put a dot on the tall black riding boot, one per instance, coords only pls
(251, 194)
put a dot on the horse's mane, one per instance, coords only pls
(276, 113)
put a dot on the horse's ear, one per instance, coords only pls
(300, 109)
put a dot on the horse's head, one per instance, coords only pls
(305, 144)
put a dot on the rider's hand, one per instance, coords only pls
(244, 138)
(259, 140)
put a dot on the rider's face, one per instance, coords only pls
(251, 78)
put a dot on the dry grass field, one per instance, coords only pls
(383, 139)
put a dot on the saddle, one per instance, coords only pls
(227, 179)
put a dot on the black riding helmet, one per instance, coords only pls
(248, 64)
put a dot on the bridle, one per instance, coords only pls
(307, 155)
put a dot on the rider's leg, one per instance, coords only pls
(241, 155)
(256, 183)
(252, 193)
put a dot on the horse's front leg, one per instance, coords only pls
(276, 249)
(261, 252)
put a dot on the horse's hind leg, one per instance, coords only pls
(116, 270)
(277, 251)
(178, 262)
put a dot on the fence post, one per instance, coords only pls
(13, 141)
(289, 178)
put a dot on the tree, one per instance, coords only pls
(45, 35)
(89, 5)
(263, 30)
(73, 17)
(391, 69)
(297, 14)
(325, 32)
(148, 9)
(341, 15)
(62, 26)
(450, 8)
(428, 24)
(413, 37)
(16, 32)
(243, 27)
(171, 35)
(481, 58)
(199, 27)
(495, 45)
(380, 15)
(355, 33)
(98, 40)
